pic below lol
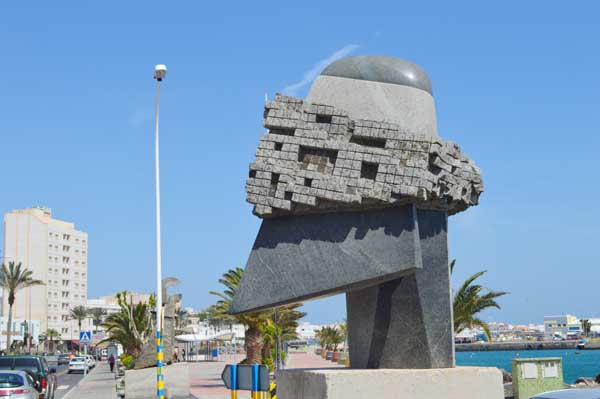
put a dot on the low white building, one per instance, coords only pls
(562, 327)
(19, 326)
(208, 329)
(307, 331)
(109, 304)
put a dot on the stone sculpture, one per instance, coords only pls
(147, 358)
(355, 187)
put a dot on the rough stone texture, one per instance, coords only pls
(454, 383)
(141, 384)
(378, 315)
(148, 356)
(315, 158)
(301, 257)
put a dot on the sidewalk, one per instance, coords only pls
(205, 377)
(99, 384)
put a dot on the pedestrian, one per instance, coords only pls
(183, 355)
(111, 362)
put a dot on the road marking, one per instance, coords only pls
(62, 387)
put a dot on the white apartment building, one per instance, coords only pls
(57, 254)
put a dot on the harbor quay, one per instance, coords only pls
(526, 345)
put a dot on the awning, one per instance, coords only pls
(203, 338)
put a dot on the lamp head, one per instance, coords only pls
(160, 71)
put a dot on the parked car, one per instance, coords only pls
(37, 367)
(18, 384)
(91, 361)
(63, 359)
(78, 364)
(570, 394)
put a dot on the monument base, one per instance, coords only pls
(448, 383)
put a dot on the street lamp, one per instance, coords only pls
(160, 71)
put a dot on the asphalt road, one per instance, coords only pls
(66, 382)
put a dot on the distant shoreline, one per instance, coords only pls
(524, 346)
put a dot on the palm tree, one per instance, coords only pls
(96, 314)
(281, 326)
(12, 279)
(253, 321)
(131, 325)
(181, 317)
(79, 313)
(329, 337)
(469, 300)
(586, 326)
(344, 331)
(52, 334)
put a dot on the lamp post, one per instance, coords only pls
(160, 71)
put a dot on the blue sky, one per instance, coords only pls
(516, 85)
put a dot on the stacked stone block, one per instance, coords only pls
(316, 158)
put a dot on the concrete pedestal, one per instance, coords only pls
(448, 383)
(141, 384)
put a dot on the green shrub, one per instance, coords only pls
(128, 361)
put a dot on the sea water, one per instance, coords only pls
(585, 363)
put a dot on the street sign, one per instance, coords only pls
(244, 377)
(85, 337)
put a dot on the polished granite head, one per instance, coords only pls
(380, 69)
